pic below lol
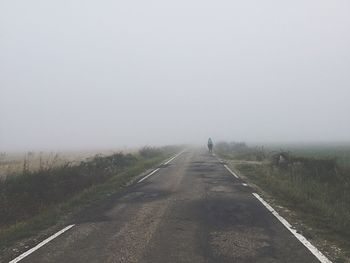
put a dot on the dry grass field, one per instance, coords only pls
(16, 163)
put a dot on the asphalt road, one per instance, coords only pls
(191, 210)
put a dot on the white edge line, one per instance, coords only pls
(156, 170)
(30, 251)
(228, 169)
(318, 254)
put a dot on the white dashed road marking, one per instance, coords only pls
(144, 178)
(30, 251)
(156, 170)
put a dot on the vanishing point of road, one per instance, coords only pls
(191, 210)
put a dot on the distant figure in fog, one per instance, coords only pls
(210, 145)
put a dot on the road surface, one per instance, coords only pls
(190, 210)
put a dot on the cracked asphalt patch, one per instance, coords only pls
(239, 243)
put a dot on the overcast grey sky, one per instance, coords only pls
(85, 74)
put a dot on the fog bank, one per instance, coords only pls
(103, 74)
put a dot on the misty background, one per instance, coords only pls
(102, 74)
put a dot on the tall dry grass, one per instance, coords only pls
(15, 163)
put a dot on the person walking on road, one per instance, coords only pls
(210, 145)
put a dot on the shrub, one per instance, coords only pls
(149, 151)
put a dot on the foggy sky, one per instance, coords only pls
(84, 74)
